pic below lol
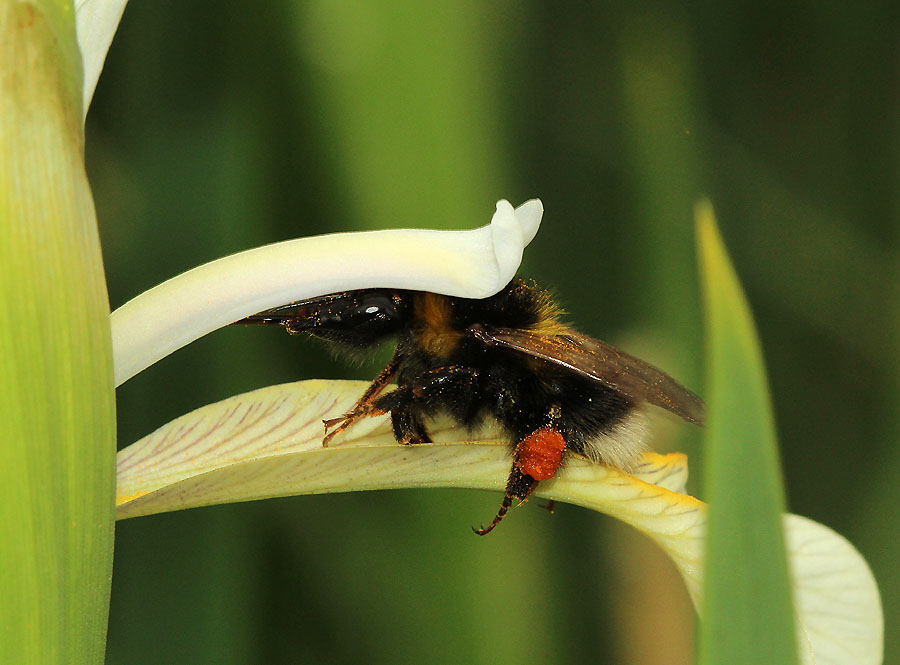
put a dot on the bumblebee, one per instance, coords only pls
(553, 391)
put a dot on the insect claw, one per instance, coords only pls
(331, 422)
(485, 530)
(342, 423)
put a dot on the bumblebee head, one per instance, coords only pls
(353, 318)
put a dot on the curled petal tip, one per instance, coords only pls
(529, 215)
(511, 231)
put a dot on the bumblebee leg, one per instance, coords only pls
(408, 427)
(424, 393)
(365, 407)
(537, 458)
(405, 419)
(436, 383)
(518, 486)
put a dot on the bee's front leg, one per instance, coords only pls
(365, 407)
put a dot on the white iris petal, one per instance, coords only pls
(471, 264)
(95, 24)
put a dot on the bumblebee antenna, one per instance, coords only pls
(504, 507)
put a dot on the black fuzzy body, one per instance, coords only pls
(554, 391)
(443, 368)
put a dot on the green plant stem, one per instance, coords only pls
(57, 410)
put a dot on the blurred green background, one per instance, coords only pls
(219, 126)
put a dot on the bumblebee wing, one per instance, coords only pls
(601, 362)
(280, 316)
(284, 314)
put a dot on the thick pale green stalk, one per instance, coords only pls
(747, 607)
(57, 413)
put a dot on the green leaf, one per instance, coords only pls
(747, 607)
(57, 410)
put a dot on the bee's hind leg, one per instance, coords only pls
(537, 458)
(519, 486)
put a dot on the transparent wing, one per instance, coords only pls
(601, 362)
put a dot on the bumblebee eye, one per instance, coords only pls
(371, 308)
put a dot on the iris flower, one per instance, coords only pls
(267, 443)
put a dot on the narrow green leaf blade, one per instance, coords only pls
(747, 607)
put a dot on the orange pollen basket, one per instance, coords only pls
(540, 453)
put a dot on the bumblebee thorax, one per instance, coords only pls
(434, 331)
